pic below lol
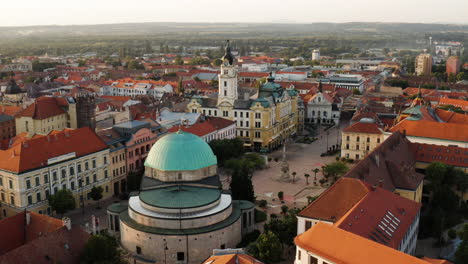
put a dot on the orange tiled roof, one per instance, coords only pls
(455, 102)
(10, 110)
(203, 128)
(337, 200)
(232, 259)
(436, 261)
(44, 107)
(452, 117)
(31, 153)
(340, 246)
(429, 129)
(360, 127)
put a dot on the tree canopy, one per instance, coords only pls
(102, 249)
(62, 201)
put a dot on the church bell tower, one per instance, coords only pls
(227, 90)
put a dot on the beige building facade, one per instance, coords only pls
(27, 187)
(360, 139)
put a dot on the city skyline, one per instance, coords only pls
(54, 12)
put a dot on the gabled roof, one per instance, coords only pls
(44, 107)
(208, 126)
(340, 247)
(15, 232)
(361, 127)
(381, 216)
(436, 130)
(31, 153)
(232, 259)
(390, 164)
(336, 201)
(452, 117)
(455, 102)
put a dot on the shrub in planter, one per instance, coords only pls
(281, 195)
(262, 203)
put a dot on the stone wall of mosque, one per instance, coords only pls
(176, 223)
(179, 249)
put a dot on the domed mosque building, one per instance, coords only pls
(181, 212)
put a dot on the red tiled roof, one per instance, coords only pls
(451, 155)
(337, 200)
(360, 127)
(16, 233)
(31, 153)
(44, 107)
(117, 98)
(203, 128)
(253, 74)
(392, 162)
(340, 246)
(377, 207)
(429, 129)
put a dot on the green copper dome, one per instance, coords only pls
(180, 151)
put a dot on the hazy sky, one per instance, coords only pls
(65, 12)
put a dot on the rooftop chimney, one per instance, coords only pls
(67, 223)
(28, 218)
(381, 183)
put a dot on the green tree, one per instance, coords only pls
(134, 180)
(307, 178)
(315, 171)
(62, 201)
(356, 91)
(268, 247)
(96, 194)
(102, 249)
(461, 255)
(335, 169)
(226, 149)
(178, 60)
(217, 62)
(241, 183)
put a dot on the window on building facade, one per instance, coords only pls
(78, 168)
(138, 250)
(94, 163)
(378, 140)
(225, 113)
(72, 171)
(308, 225)
(313, 260)
(180, 256)
(1, 181)
(325, 113)
(258, 115)
(94, 178)
(28, 184)
(30, 200)
(257, 134)
(368, 139)
(357, 138)
(105, 159)
(357, 147)
(258, 124)
(12, 200)
(72, 185)
(3, 197)
(38, 197)
(86, 165)
(10, 184)
(54, 175)
(367, 148)
(347, 138)
(235, 113)
(347, 146)
(87, 180)
(64, 173)
(106, 174)
(225, 92)
(46, 178)
(225, 83)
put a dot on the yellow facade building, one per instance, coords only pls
(360, 138)
(265, 120)
(76, 160)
